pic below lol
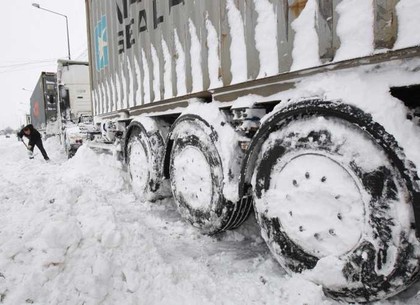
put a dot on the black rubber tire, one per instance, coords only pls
(70, 153)
(389, 187)
(146, 176)
(219, 214)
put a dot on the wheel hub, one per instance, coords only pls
(318, 203)
(192, 178)
(139, 170)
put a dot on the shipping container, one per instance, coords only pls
(43, 101)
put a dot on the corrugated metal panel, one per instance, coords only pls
(249, 15)
(44, 100)
(152, 46)
(385, 25)
(225, 44)
(285, 35)
(327, 23)
(213, 25)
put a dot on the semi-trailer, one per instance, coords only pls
(43, 104)
(305, 112)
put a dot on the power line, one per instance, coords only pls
(23, 60)
(26, 67)
(83, 54)
(23, 63)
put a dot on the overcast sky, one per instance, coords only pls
(31, 41)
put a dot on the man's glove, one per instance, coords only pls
(29, 147)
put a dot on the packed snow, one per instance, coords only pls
(305, 36)
(72, 232)
(355, 20)
(238, 54)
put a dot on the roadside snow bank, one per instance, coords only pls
(73, 233)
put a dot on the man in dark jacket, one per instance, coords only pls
(34, 139)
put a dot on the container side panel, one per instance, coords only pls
(225, 43)
(199, 20)
(284, 36)
(263, 52)
(385, 24)
(325, 29)
(38, 118)
(213, 42)
(169, 55)
(250, 15)
(50, 97)
(148, 51)
(197, 34)
(182, 58)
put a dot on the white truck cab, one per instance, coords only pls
(75, 106)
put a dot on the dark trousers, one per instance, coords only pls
(38, 144)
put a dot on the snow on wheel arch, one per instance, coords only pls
(227, 143)
(366, 88)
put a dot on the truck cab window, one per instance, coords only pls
(51, 99)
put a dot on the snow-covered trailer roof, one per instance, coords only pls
(146, 54)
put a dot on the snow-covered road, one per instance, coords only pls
(72, 232)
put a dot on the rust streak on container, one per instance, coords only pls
(297, 7)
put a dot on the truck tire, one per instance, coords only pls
(333, 194)
(144, 155)
(69, 152)
(197, 178)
